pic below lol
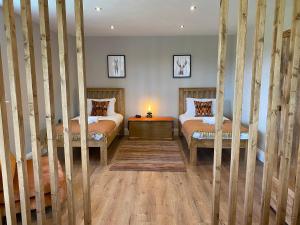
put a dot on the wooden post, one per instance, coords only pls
(17, 109)
(193, 155)
(83, 113)
(49, 108)
(222, 49)
(7, 178)
(285, 83)
(273, 109)
(296, 208)
(254, 113)
(64, 80)
(103, 153)
(285, 159)
(33, 109)
(237, 109)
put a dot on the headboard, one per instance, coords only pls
(117, 93)
(184, 93)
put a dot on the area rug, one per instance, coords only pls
(143, 155)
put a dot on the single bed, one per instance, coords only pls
(199, 131)
(101, 130)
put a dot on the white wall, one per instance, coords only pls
(149, 62)
(55, 61)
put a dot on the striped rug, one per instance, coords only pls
(144, 155)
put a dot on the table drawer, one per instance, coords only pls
(151, 130)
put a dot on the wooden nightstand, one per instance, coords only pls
(151, 128)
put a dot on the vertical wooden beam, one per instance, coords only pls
(285, 83)
(237, 109)
(64, 80)
(7, 178)
(49, 108)
(296, 207)
(17, 109)
(222, 49)
(33, 108)
(285, 158)
(273, 110)
(254, 113)
(82, 106)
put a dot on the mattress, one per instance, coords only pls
(203, 128)
(98, 127)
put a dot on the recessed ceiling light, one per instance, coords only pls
(181, 26)
(193, 8)
(112, 27)
(98, 9)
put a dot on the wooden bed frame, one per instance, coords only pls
(209, 92)
(104, 143)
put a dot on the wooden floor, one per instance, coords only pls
(158, 198)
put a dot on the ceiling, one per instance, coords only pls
(146, 17)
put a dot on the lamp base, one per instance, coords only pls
(149, 115)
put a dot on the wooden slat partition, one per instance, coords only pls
(296, 208)
(254, 111)
(294, 73)
(33, 108)
(49, 108)
(273, 107)
(222, 49)
(17, 109)
(64, 82)
(7, 178)
(237, 109)
(83, 112)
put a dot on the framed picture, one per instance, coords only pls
(182, 66)
(116, 66)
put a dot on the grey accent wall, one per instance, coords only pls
(149, 65)
(55, 61)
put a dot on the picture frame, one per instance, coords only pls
(116, 66)
(182, 66)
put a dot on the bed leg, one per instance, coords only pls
(193, 156)
(246, 154)
(103, 155)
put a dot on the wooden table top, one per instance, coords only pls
(171, 119)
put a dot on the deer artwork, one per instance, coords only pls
(116, 66)
(181, 66)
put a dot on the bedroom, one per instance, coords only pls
(150, 52)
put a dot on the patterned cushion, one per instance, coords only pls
(203, 108)
(99, 108)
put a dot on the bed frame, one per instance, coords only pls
(103, 144)
(209, 92)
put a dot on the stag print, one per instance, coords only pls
(182, 66)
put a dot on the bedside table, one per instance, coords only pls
(155, 128)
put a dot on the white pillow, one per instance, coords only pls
(111, 105)
(190, 105)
